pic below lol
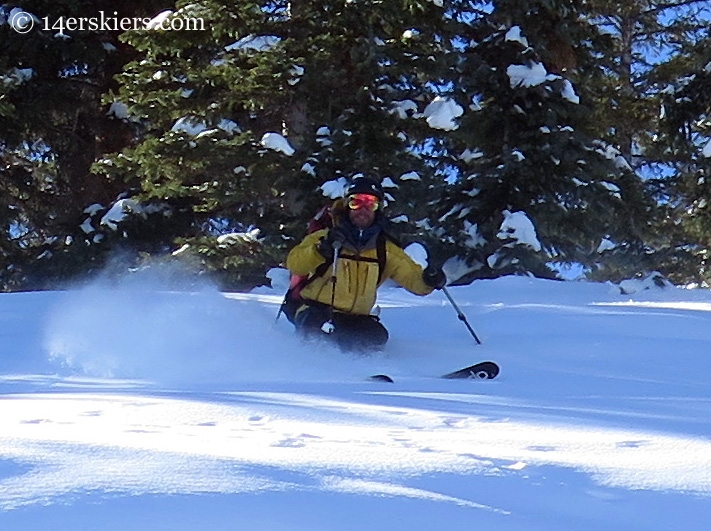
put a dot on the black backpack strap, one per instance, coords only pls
(292, 298)
(381, 253)
(319, 271)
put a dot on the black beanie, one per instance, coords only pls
(365, 185)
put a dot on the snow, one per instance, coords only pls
(133, 404)
(238, 238)
(528, 75)
(190, 125)
(87, 227)
(17, 76)
(442, 113)
(418, 253)
(21, 20)
(404, 108)
(474, 237)
(410, 176)
(228, 126)
(568, 92)
(612, 188)
(118, 211)
(389, 183)
(468, 155)
(119, 110)
(409, 34)
(606, 245)
(257, 43)
(277, 142)
(335, 188)
(636, 285)
(621, 163)
(296, 72)
(518, 226)
(93, 209)
(157, 21)
(514, 35)
(707, 150)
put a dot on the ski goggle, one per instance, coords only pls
(367, 201)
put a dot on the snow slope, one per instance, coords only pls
(135, 406)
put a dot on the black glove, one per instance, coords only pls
(434, 277)
(326, 245)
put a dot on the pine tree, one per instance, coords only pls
(686, 129)
(531, 183)
(53, 126)
(514, 136)
(244, 122)
(651, 49)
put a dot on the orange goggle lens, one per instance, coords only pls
(358, 201)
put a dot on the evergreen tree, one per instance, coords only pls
(531, 183)
(686, 128)
(515, 136)
(52, 128)
(651, 49)
(243, 123)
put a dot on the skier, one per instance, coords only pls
(338, 298)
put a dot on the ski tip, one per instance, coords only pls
(485, 370)
(381, 378)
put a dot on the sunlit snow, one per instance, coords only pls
(277, 142)
(519, 227)
(442, 113)
(134, 404)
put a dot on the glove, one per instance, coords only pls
(326, 246)
(434, 277)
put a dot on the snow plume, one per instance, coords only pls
(162, 324)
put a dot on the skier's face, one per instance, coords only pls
(362, 214)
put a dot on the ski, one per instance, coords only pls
(485, 370)
(381, 378)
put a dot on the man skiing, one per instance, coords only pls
(346, 264)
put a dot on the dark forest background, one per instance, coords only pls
(150, 146)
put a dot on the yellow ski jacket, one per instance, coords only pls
(356, 274)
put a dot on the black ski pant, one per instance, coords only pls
(351, 332)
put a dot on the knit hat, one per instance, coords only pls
(365, 185)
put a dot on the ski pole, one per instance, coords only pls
(461, 316)
(328, 326)
(281, 308)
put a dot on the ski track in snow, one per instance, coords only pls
(177, 409)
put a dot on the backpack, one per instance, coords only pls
(293, 300)
(323, 219)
